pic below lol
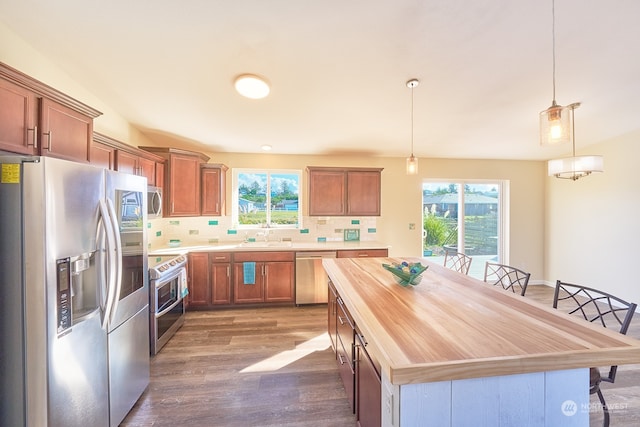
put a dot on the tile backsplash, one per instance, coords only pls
(211, 230)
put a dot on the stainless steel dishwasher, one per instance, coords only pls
(311, 279)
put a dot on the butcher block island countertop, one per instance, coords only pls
(452, 327)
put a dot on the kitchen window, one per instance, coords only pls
(465, 216)
(266, 198)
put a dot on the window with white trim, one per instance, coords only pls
(266, 198)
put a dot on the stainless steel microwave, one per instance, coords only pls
(154, 202)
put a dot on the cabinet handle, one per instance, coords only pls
(340, 320)
(228, 271)
(35, 137)
(49, 138)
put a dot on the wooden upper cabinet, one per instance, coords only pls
(113, 154)
(126, 162)
(363, 192)
(38, 119)
(103, 155)
(64, 133)
(327, 192)
(182, 179)
(344, 191)
(213, 190)
(18, 112)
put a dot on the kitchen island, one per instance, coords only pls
(456, 351)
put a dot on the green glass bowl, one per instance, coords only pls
(404, 277)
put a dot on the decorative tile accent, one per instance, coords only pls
(214, 240)
(174, 222)
(232, 231)
(371, 230)
(213, 222)
(158, 233)
(322, 239)
(355, 221)
(304, 231)
(193, 232)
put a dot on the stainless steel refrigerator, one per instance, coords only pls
(74, 348)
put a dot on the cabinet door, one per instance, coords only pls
(147, 168)
(245, 292)
(363, 193)
(126, 162)
(212, 192)
(64, 133)
(220, 282)
(18, 109)
(368, 389)
(327, 192)
(198, 279)
(184, 183)
(103, 155)
(159, 174)
(278, 281)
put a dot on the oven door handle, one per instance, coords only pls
(171, 277)
(168, 309)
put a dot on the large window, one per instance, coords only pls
(465, 216)
(266, 198)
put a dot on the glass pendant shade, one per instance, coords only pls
(412, 165)
(575, 167)
(555, 125)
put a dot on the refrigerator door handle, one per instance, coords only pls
(118, 267)
(108, 286)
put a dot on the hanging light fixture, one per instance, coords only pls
(575, 167)
(554, 121)
(412, 161)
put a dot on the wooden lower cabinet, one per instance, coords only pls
(359, 370)
(368, 387)
(272, 281)
(209, 279)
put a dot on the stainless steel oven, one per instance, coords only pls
(168, 287)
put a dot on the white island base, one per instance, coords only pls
(550, 399)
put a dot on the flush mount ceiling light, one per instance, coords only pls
(554, 121)
(412, 161)
(266, 147)
(574, 168)
(252, 86)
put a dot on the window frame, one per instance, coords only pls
(269, 172)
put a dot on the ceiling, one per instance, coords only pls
(338, 70)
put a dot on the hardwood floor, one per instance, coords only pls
(246, 367)
(273, 367)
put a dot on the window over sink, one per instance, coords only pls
(266, 198)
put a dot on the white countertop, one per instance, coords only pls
(187, 247)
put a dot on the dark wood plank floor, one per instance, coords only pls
(273, 367)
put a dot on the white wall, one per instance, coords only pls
(592, 225)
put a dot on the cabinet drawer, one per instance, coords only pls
(220, 256)
(345, 328)
(346, 370)
(363, 253)
(263, 256)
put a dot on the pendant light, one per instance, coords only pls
(554, 121)
(412, 161)
(574, 168)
